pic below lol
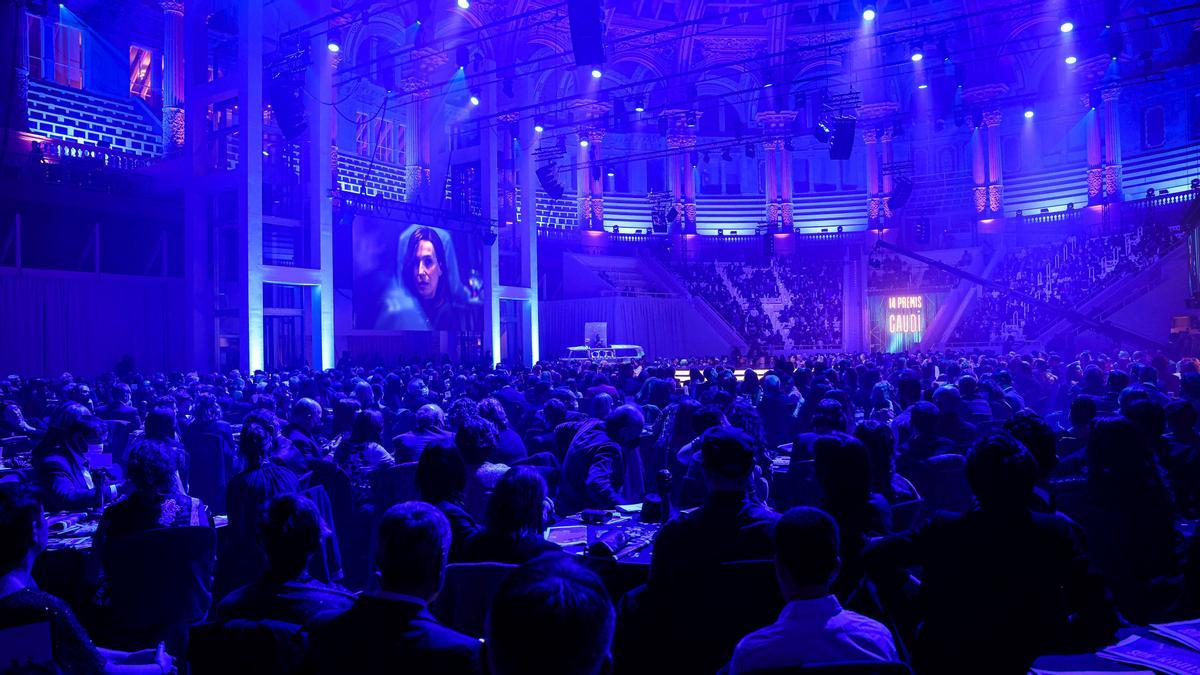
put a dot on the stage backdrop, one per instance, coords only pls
(900, 321)
(661, 326)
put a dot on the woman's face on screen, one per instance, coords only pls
(428, 270)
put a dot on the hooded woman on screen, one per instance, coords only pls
(426, 292)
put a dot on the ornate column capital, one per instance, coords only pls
(870, 136)
(991, 118)
(1110, 94)
(887, 134)
(415, 85)
(681, 141)
(596, 134)
(430, 59)
(772, 144)
(984, 93)
(171, 6)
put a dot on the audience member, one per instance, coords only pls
(552, 614)
(291, 534)
(813, 629)
(392, 627)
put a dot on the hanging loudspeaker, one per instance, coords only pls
(587, 31)
(549, 182)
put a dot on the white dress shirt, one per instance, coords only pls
(813, 632)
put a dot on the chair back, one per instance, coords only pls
(467, 594)
(206, 471)
(159, 582)
(392, 485)
(905, 514)
(703, 628)
(326, 565)
(942, 482)
(1070, 498)
(846, 668)
(27, 649)
(118, 440)
(246, 647)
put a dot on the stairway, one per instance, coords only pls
(83, 117)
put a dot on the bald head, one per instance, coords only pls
(624, 423)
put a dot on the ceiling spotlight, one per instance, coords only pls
(537, 128)
(1070, 60)
(922, 86)
(1066, 27)
(639, 107)
(750, 150)
(691, 119)
(474, 100)
(768, 84)
(464, 4)
(869, 13)
(917, 54)
(597, 74)
(334, 47)
(583, 143)
(1028, 113)
(611, 173)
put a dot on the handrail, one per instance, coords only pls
(55, 150)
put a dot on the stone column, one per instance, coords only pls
(20, 24)
(887, 158)
(689, 187)
(995, 162)
(1095, 155)
(416, 137)
(172, 77)
(978, 172)
(595, 177)
(776, 127)
(771, 149)
(675, 184)
(785, 185)
(874, 203)
(1112, 144)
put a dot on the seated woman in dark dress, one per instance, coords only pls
(441, 481)
(516, 518)
(23, 535)
(156, 500)
(291, 535)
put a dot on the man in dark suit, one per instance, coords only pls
(121, 408)
(729, 526)
(302, 427)
(552, 614)
(392, 628)
(999, 580)
(430, 427)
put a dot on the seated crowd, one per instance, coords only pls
(1065, 273)
(944, 512)
(810, 292)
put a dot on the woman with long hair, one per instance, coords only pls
(516, 517)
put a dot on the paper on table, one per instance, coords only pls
(1186, 633)
(1160, 656)
(568, 535)
(630, 508)
(1043, 671)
